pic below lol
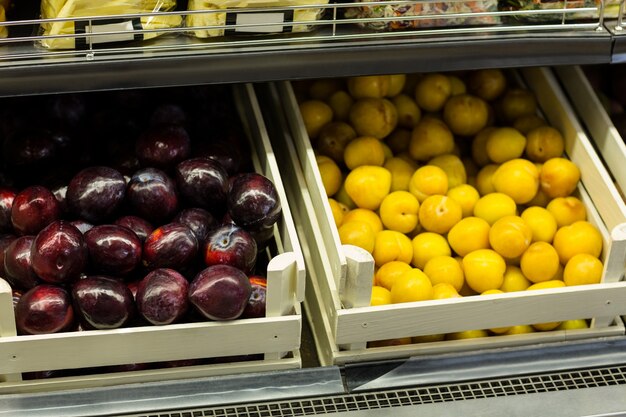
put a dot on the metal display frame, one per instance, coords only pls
(555, 381)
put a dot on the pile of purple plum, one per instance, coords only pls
(131, 208)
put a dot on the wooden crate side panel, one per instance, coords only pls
(286, 238)
(148, 344)
(482, 312)
(308, 229)
(560, 114)
(468, 345)
(119, 378)
(602, 130)
(308, 164)
(321, 321)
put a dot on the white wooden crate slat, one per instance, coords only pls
(330, 235)
(579, 149)
(148, 344)
(601, 129)
(488, 311)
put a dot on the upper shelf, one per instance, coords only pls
(336, 47)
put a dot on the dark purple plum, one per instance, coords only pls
(162, 296)
(130, 367)
(82, 225)
(59, 253)
(170, 246)
(30, 154)
(5, 241)
(18, 264)
(141, 227)
(163, 146)
(96, 193)
(113, 249)
(7, 196)
(33, 208)
(203, 183)
(198, 220)
(44, 309)
(67, 111)
(220, 292)
(230, 245)
(257, 301)
(152, 195)
(253, 202)
(262, 237)
(102, 302)
(224, 153)
(168, 114)
(177, 363)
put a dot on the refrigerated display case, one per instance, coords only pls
(569, 374)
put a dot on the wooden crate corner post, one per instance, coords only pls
(7, 323)
(358, 283)
(283, 281)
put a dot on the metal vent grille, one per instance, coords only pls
(549, 382)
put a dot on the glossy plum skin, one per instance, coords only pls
(198, 220)
(7, 196)
(253, 202)
(33, 208)
(230, 245)
(225, 154)
(152, 195)
(257, 301)
(102, 302)
(170, 246)
(44, 309)
(162, 296)
(96, 193)
(142, 228)
(18, 263)
(163, 146)
(220, 292)
(113, 249)
(59, 253)
(5, 241)
(203, 183)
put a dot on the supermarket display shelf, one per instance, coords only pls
(175, 61)
(579, 378)
(618, 33)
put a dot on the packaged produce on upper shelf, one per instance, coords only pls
(80, 9)
(276, 19)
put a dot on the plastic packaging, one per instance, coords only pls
(270, 21)
(4, 31)
(84, 8)
(425, 8)
(611, 9)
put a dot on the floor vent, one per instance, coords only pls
(549, 382)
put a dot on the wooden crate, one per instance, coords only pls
(339, 278)
(276, 338)
(602, 131)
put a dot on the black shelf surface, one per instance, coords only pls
(179, 60)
